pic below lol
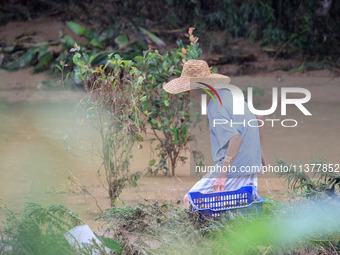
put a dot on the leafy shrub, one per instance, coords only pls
(113, 105)
(40, 230)
(319, 179)
(37, 230)
(168, 115)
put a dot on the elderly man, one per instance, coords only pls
(235, 145)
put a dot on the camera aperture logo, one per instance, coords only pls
(238, 105)
(208, 92)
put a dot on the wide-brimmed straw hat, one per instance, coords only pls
(197, 70)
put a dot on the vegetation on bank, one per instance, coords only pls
(41, 231)
(302, 225)
(125, 99)
(307, 30)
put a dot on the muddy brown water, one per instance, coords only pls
(37, 125)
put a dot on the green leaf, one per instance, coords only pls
(76, 28)
(107, 34)
(122, 41)
(110, 243)
(155, 39)
(99, 59)
(42, 50)
(96, 43)
(23, 61)
(175, 132)
(67, 42)
(152, 162)
(184, 130)
(89, 34)
(57, 66)
(77, 61)
(140, 138)
(44, 63)
(166, 102)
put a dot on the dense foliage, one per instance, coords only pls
(168, 115)
(310, 27)
(112, 106)
(40, 231)
(305, 30)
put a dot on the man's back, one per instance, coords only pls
(224, 125)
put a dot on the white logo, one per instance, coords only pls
(238, 101)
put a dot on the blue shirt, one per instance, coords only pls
(224, 125)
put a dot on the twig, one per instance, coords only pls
(317, 240)
(268, 189)
(172, 31)
(85, 191)
(333, 248)
(282, 47)
(178, 178)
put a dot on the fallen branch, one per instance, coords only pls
(231, 60)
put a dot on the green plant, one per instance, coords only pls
(168, 115)
(314, 178)
(131, 92)
(112, 106)
(38, 230)
(28, 49)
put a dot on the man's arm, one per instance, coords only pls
(232, 151)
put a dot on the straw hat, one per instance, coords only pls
(194, 70)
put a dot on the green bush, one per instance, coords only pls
(123, 95)
(307, 28)
(38, 230)
(168, 115)
(112, 106)
(316, 178)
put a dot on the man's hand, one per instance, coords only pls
(219, 184)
